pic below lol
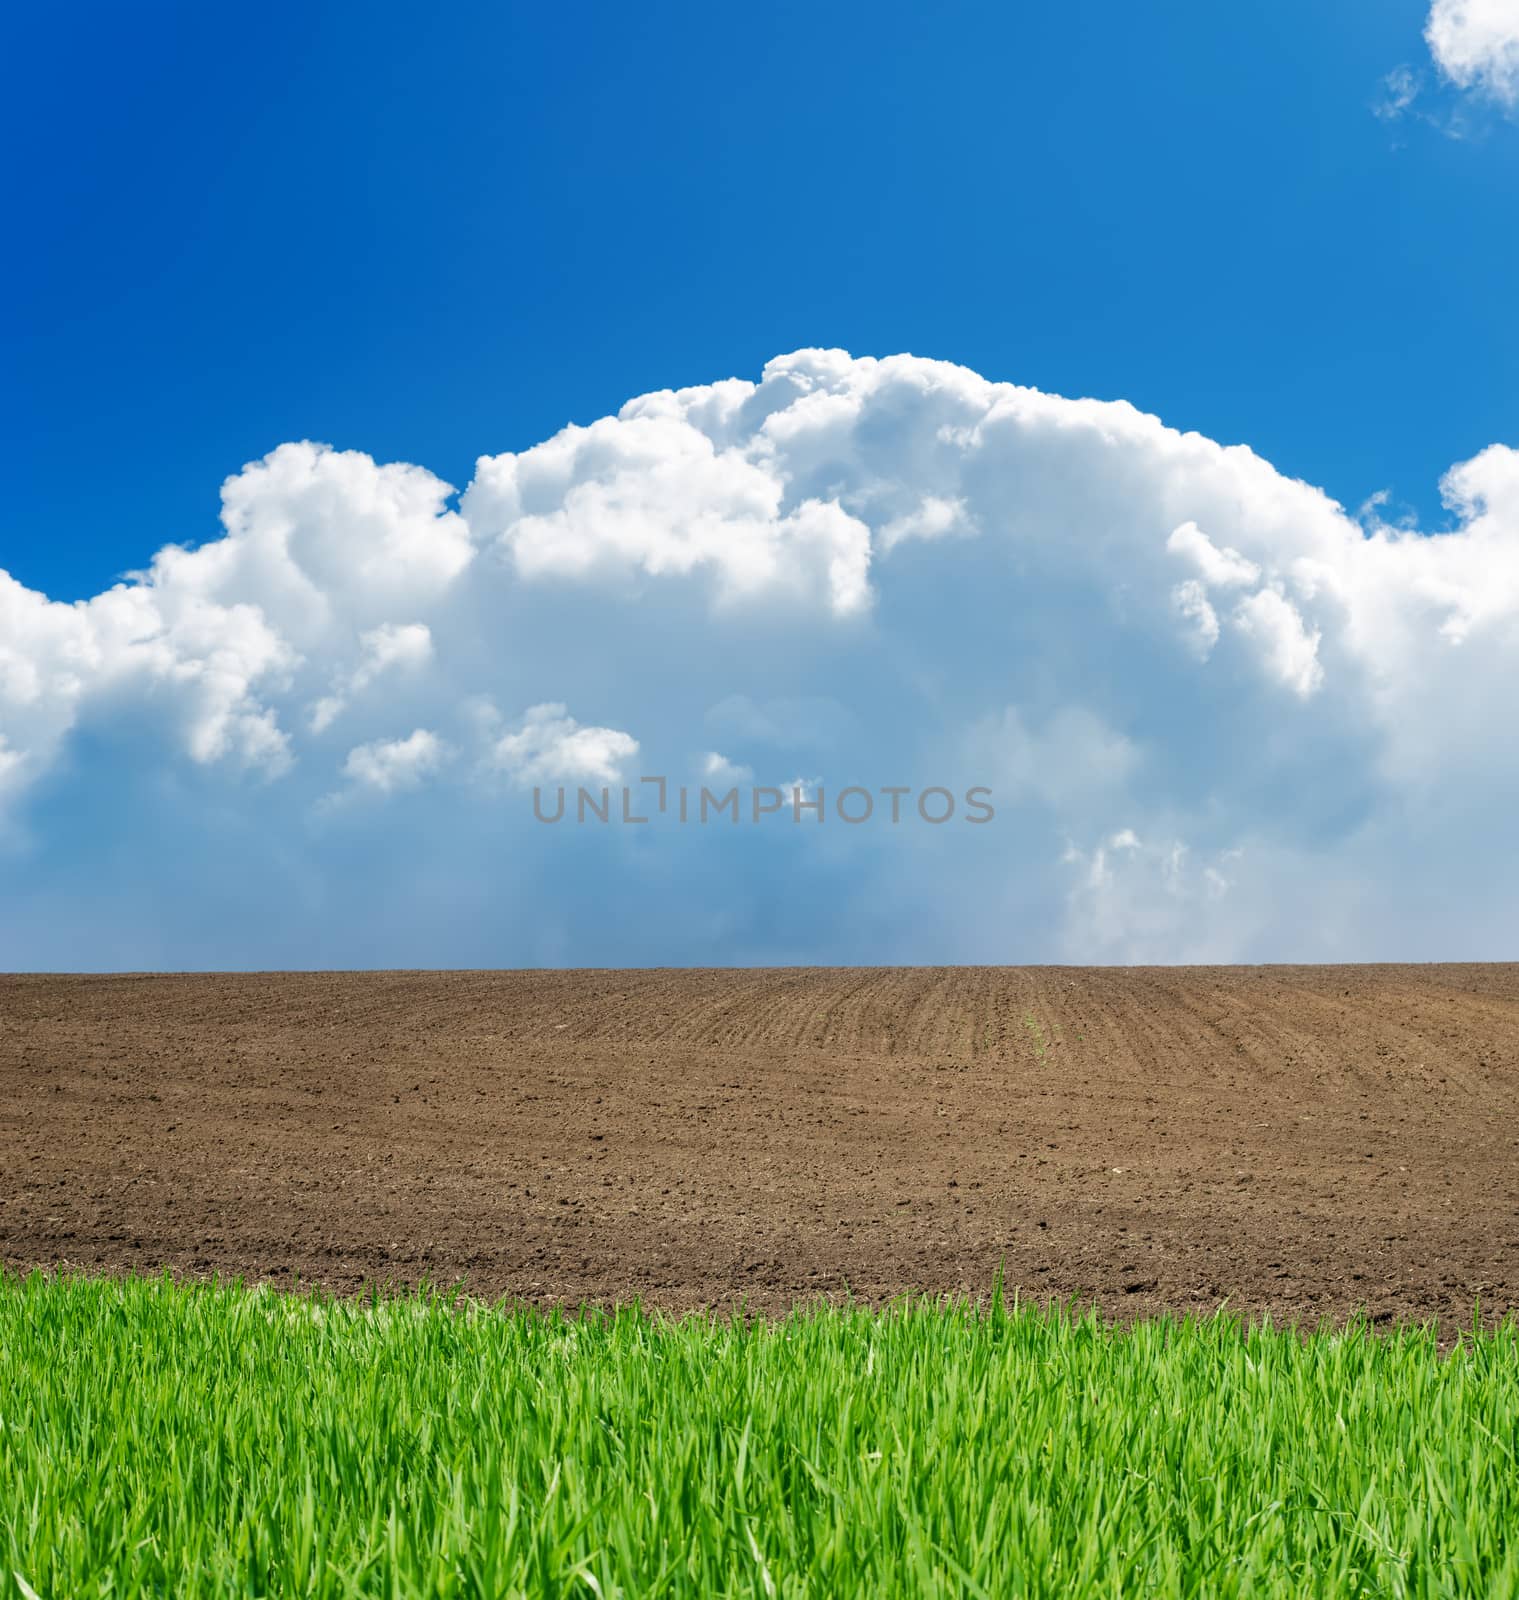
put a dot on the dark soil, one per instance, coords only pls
(1298, 1141)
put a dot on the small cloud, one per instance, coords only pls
(1400, 88)
(1475, 48)
(389, 765)
(1373, 515)
(1475, 44)
(715, 768)
(324, 712)
(551, 747)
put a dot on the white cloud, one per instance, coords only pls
(405, 647)
(1400, 88)
(317, 536)
(388, 765)
(718, 769)
(551, 747)
(10, 765)
(1191, 602)
(1131, 898)
(319, 544)
(799, 792)
(648, 492)
(935, 518)
(1290, 651)
(1223, 569)
(1475, 44)
(876, 571)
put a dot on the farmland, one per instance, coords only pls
(1299, 1142)
(943, 1281)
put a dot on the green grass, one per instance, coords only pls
(195, 1440)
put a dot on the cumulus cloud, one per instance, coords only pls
(1223, 569)
(1290, 653)
(391, 764)
(405, 647)
(318, 543)
(873, 571)
(551, 747)
(647, 493)
(1475, 44)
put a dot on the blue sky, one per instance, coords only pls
(433, 234)
(432, 237)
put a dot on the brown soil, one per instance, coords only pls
(1300, 1141)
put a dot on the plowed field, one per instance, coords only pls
(1303, 1141)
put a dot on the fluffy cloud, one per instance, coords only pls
(405, 647)
(1475, 43)
(648, 493)
(391, 764)
(1220, 715)
(1222, 569)
(551, 747)
(1289, 651)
